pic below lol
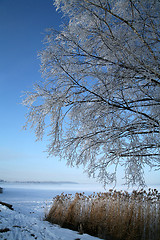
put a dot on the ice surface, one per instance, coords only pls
(27, 220)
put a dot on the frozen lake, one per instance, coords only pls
(37, 197)
(30, 203)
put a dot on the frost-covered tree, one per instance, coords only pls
(100, 98)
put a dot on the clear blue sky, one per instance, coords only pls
(22, 30)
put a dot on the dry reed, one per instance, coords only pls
(112, 215)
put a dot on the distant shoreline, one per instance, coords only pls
(40, 182)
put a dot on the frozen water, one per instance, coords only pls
(30, 203)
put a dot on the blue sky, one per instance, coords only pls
(22, 30)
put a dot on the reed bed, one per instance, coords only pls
(112, 215)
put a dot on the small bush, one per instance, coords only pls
(114, 214)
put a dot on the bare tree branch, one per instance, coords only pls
(101, 88)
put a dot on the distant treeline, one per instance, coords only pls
(41, 182)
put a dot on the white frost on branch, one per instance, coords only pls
(101, 87)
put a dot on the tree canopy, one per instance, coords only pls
(100, 98)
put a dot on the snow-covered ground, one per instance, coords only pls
(30, 203)
(26, 221)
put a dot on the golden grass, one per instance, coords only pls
(114, 214)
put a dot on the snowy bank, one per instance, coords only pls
(26, 221)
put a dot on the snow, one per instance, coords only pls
(30, 203)
(26, 221)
